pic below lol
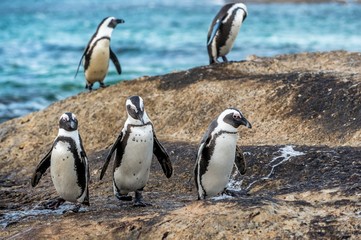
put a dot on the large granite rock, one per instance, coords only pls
(303, 154)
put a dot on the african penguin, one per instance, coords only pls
(218, 152)
(97, 53)
(134, 149)
(68, 165)
(224, 30)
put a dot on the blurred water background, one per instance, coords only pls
(42, 41)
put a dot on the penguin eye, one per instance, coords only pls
(236, 116)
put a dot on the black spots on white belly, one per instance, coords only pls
(134, 174)
(138, 138)
(140, 163)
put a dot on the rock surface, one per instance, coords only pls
(303, 155)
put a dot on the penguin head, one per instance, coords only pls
(241, 7)
(68, 122)
(135, 109)
(107, 25)
(234, 117)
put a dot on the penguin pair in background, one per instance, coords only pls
(68, 165)
(97, 53)
(218, 152)
(134, 149)
(224, 30)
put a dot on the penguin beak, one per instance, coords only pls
(73, 125)
(118, 21)
(244, 121)
(140, 115)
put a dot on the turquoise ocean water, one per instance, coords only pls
(42, 41)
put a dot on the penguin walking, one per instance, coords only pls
(97, 53)
(224, 30)
(134, 149)
(218, 152)
(68, 165)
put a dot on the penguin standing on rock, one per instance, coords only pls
(134, 149)
(97, 53)
(224, 30)
(218, 152)
(68, 165)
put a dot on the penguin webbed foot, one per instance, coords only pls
(124, 197)
(75, 209)
(234, 193)
(102, 85)
(224, 59)
(138, 201)
(54, 203)
(89, 87)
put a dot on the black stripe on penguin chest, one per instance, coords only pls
(224, 32)
(79, 165)
(208, 151)
(89, 54)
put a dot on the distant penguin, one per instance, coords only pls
(224, 30)
(68, 165)
(134, 149)
(218, 152)
(97, 53)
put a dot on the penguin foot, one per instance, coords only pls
(224, 59)
(123, 197)
(54, 204)
(102, 85)
(138, 202)
(89, 87)
(76, 208)
(233, 193)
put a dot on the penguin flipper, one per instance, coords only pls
(214, 31)
(109, 156)
(240, 161)
(41, 169)
(84, 160)
(115, 60)
(162, 157)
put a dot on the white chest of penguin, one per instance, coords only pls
(99, 61)
(133, 173)
(63, 172)
(221, 163)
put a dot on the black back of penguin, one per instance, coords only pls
(224, 30)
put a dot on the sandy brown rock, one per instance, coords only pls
(309, 100)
